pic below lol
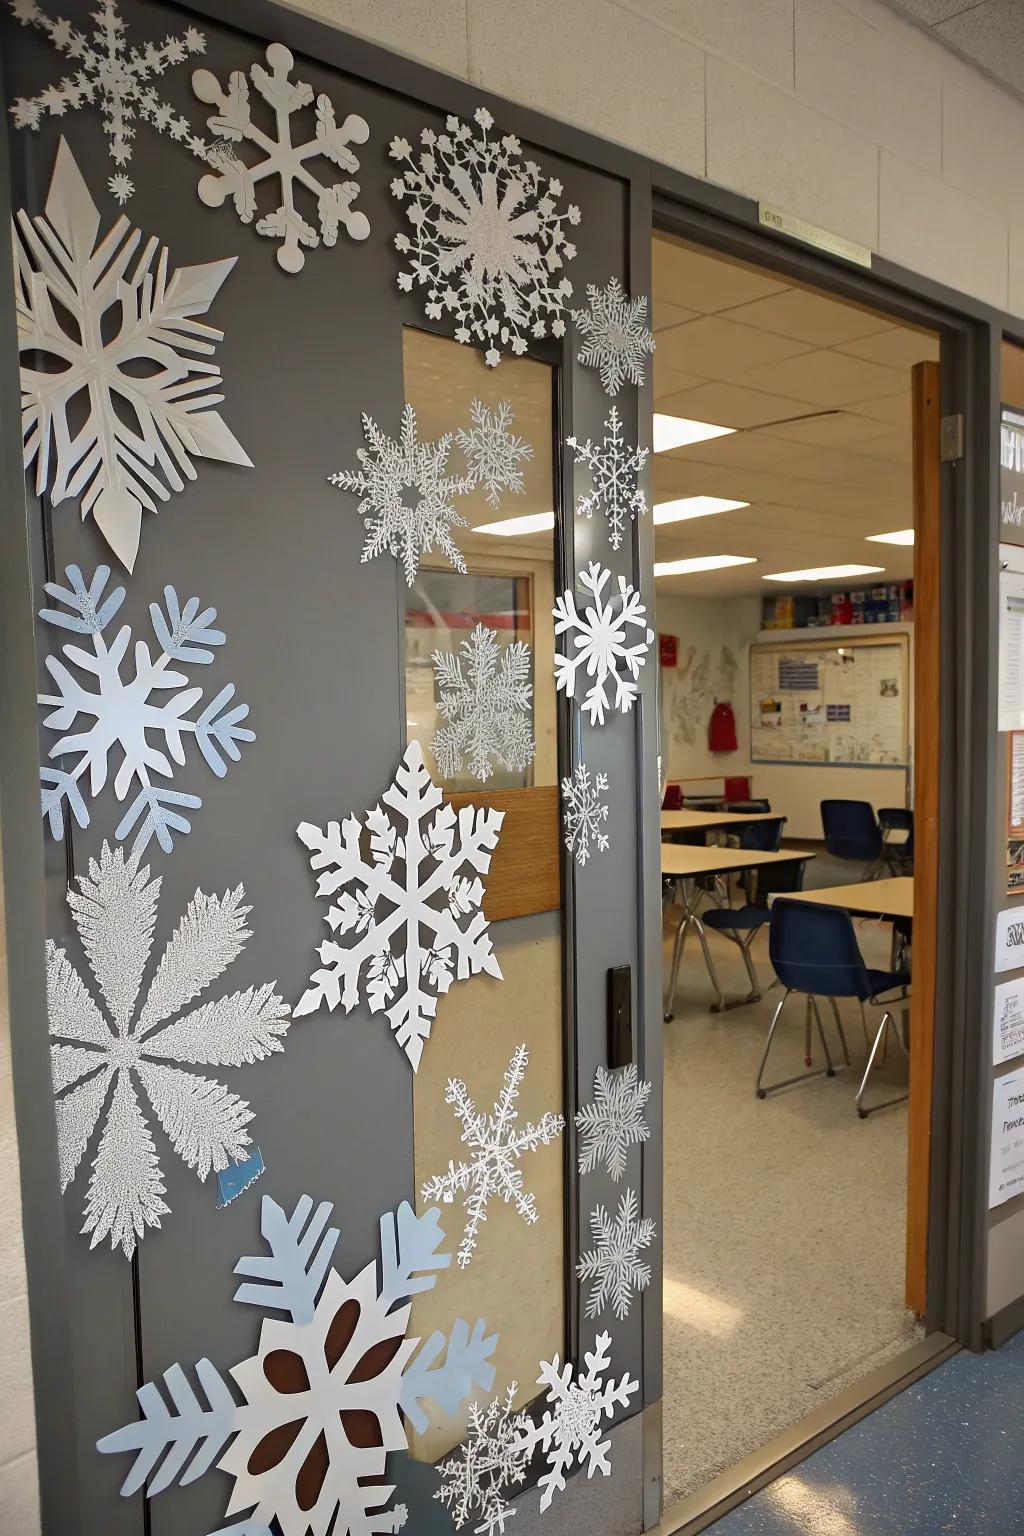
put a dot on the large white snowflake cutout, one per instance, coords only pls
(601, 643)
(493, 452)
(617, 336)
(326, 1396)
(614, 469)
(496, 1145)
(113, 77)
(117, 384)
(414, 907)
(99, 1061)
(569, 1432)
(124, 713)
(484, 698)
(614, 1264)
(475, 1482)
(488, 240)
(584, 813)
(614, 1122)
(410, 529)
(282, 158)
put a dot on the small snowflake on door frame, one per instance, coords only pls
(584, 813)
(616, 335)
(615, 467)
(601, 645)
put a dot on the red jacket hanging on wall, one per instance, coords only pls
(722, 729)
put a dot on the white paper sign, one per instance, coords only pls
(1011, 651)
(1008, 1022)
(1006, 1170)
(1010, 939)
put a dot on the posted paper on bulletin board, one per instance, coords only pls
(829, 704)
(1015, 813)
(1011, 642)
(1006, 1168)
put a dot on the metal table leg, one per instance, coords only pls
(690, 897)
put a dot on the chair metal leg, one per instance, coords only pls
(754, 995)
(886, 1024)
(841, 1032)
(864, 1028)
(829, 1070)
(719, 1005)
(673, 975)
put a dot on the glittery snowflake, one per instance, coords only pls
(614, 469)
(281, 157)
(569, 1432)
(414, 906)
(496, 1146)
(584, 813)
(614, 1264)
(614, 1122)
(112, 76)
(617, 336)
(155, 701)
(100, 1060)
(601, 643)
(476, 1480)
(484, 697)
(488, 240)
(493, 452)
(391, 468)
(326, 1396)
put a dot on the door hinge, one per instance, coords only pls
(951, 439)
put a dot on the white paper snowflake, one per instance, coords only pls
(112, 76)
(493, 452)
(584, 813)
(326, 1396)
(614, 469)
(281, 158)
(618, 338)
(155, 701)
(601, 643)
(391, 468)
(475, 1482)
(484, 697)
(131, 404)
(414, 906)
(488, 239)
(114, 911)
(614, 1264)
(496, 1146)
(570, 1429)
(614, 1122)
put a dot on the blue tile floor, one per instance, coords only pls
(946, 1455)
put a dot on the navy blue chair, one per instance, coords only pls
(742, 924)
(898, 853)
(852, 832)
(815, 953)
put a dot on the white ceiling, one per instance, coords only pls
(986, 32)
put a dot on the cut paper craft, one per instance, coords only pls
(584, 813)
(614, 1122)
(496, 1146)
(113, 77)
(601, 643)
(148, 715)
(617, 338)
(326, 1396)
(493, 452)
(569, 1431)
(413, 907)
(614, 470)
(118, 386)
(614, 1264)
(484, 697)
(100, 1059)
(234, 1181)
(390, 468)
(280, 157)
(488, 239)
(476, 1480)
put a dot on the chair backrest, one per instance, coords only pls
(673, 800)
(851, 829)
(897, 818)
(737, 787)
(748, 807)
(814, 949)
(764, 835)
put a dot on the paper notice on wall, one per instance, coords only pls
(1008, 1022)
(1010, 939)
(1006, 1169)
(1011, 651)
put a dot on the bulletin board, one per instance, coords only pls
(841, 704)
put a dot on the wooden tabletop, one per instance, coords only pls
(867, 898)
(698, 821)
(682, 860)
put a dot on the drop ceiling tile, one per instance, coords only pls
(705, 283)
(894, 409)
(748, 450)
(670, 381)
(676, 477)
(838, 466)
(727, 405)
(826, 378)
(837, 428)
(666, 314)
(898, 347)
(808, 317)
(718, 349)
(897, 447)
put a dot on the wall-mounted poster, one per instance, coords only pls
(1009, 939)
(1011, 475)
(1015, 813)
(1006, 1168)
(1008, 1022)
(825, 703)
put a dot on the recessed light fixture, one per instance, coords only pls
(901, 536)
(700, 563)
(679, 431)
(694, 506)
(533, 522)
(825, 573)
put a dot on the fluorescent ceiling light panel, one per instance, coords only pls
(901, 536)
(700, 563)
(533, 522)
(679, 431)
(694, 506)
(825, 573)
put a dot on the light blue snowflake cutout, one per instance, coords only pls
(339, 1372)
(147, 715)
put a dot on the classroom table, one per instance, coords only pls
(709, 821)
(892, 898)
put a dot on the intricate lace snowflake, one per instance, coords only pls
(584, 813)
(614, 1122)
(475, 1481)
(569, 1432)
(486, 707)
(112, 76)
(614, 468)
(390, 469)
(324, 1396)
(614, 1265)
(617, 335)
(488, 240)
(492, 452)
(414, 906)
(496, 1146)
(282, 158)
(121, 330)
(156, 700)
(114, 911)
(600, 638)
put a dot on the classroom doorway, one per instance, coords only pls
(795, 489)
